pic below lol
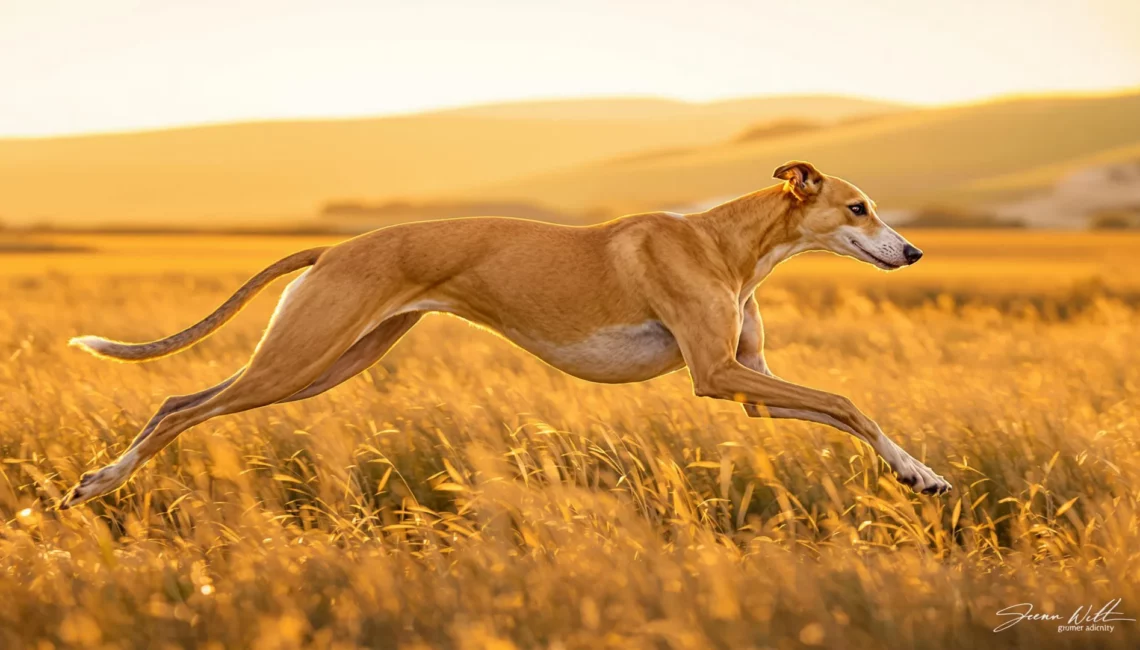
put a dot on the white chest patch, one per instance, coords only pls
(615, 354)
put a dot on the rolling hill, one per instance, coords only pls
(824, 108)
(276, 172)
(973, 154)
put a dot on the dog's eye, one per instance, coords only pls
(858, 209)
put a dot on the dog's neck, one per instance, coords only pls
(756, 232)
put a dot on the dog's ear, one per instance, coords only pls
(801, 178)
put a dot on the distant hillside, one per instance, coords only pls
(779, 129)
(1096, 195)
(366, 216)
(821, 108)
(976, 154)
(259, 173)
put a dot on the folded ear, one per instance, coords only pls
(802, 178)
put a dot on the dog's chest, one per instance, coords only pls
(614, 354)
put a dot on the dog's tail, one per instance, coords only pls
(121, 351)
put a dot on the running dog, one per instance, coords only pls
(622, 301)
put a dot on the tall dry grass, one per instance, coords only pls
(463, 495)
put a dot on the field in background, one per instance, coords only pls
(463, 495)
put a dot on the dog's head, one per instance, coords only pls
(837, 216)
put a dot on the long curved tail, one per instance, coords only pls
(121, 351)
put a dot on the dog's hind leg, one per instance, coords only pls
(362, 355)
(311, 330)
(366, 352)
(179, 402)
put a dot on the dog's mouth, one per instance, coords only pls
(875, 259)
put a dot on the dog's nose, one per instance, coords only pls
(911, 254)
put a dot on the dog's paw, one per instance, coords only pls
(91, 485)
(920, 478)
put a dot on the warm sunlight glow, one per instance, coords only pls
(118, 64)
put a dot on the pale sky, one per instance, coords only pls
(71, 66)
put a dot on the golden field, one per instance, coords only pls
(464, 495)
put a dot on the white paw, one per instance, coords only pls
(910, 472)
(93, 484)
(919, 477)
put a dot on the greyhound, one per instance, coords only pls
(622, 301)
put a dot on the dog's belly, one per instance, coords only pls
(614, 354)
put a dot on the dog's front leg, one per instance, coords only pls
(762, 392)
(736, 371)
(750, 352)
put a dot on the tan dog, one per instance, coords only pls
(623, 301)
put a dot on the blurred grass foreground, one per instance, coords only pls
(461, 494)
